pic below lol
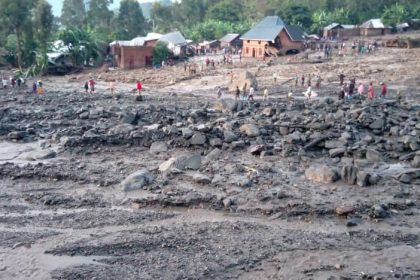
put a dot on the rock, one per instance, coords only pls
(268, 112)
(250, 130)
(225, 105)
(243, 182)
(129, 118)
(121, 129)
(363, 179)
(243, 78)
(256, 150)
(284, 130)
(349, 174)
(201, 178)
(39, 155)
(198, 139)
(16, 135)
(183, 162)
(344, 210)
(352, 223)
(216, 142)
(186, 132)
(137, 180)
(373, 155)
(379, 212)
(373, 179)
(333, 144)
(406, 178)
(217, 179)
(337, 152)
(416, 162)
(322, 174)
(227, 202)
(229, 136)
(377, 124)
(158, 147)
(213, 155)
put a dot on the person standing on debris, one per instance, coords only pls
(92, 85)
(303, 80)
(40, 87)
(309, 80)
(296, 81)
(342, 92)
(275, 77)
(371, 91)
(308, 93)
(318, 81)
(361, 89)
(86, 87)
(139, 87)
(251, 94)
(112, 86)
(4, 82)
(13, 82)
(244, 89)
(237, 93)
(34, 88)
(219, 92)
(384, 90)
(265, 95)
(399, 96)
(163, 63)
(341, 79)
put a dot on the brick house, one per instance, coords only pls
(231, 40)
(340, 31)
(374, 27)
(272, 36)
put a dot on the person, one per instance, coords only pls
(341, 79)
(86, 86)
(308, 93)
(112, 86)
(265, 96)
(34, 88)
(4, 81)
(232, 76)
(289, 95)
(361, 89)
(13, 82)
(251, 94)
(318, 82)
(92, 85)
(399, 96)
(309, 80)
(40, 89)
(384, 90)
(371, 91)
(185, 66)
(244, 89)
(219, 92)
(352, 86)
(296, 80)
(163, 63)
(237, 93)
(303, 79)
(139, 87)
(342, 92)
(275, 77)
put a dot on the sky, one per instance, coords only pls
(57, 4)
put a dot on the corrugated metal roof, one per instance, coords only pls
(332, 26)
(175, 38)
(295, 32)
(348, 26)
(373, 23)
(265, 30)
(229, 37)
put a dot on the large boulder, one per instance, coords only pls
(124, 128)
(198, 139)
(225, 105)
(244, 78)
(39, 155)
(182, 162)
(137, 180)
(158, 147)
(322, 174)
(251, 130)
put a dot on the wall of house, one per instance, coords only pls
(374, 31)
(342, 33)
(133, 57)
(287, 44)
(252, 48)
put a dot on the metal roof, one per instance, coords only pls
(332, 26)
(265, 30)
(295, 32)
(229, 37)
(175, 38)
(373, 23)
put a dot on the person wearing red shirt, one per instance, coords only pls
(92, 85)
(384, 90)
(139, 87)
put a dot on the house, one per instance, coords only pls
(208, 46)
(132, 54)
(176, 43)
(231, 40)
(374, 27)
(272, 36)
(337, 30)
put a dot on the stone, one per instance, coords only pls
(363, 179)
(216, 142)
(129, 118)
(284, 130)
(256, 150)
(121, 129)
(198, 139)
(415, 163)
(344, 210)
(349, 174)
(213, 155)
(137, 180)
(186, 132)
(201, 178)
(251, 130)
(333, 144)
(225, 105)
(322, 174)
(158, 147)
(268, 112)
(406, 179)
(374, 179)
(352, 223)
(378, 212)
(337, 152)
(16, 135)
(227, 202)
(373, 155)
(39, 155)
(217, 179)
(229, 136)
(183, 162)
(377, 124)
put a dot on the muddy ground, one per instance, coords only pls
(231, 201)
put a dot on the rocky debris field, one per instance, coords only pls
(180, 187)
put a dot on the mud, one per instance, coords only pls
(234, 199)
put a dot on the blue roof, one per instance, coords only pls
(265, 30)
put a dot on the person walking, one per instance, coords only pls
(296, 80)
(251, 94)
(237, 93)
(265, 95)
(275, 77)
(341, 79)
(40, 89)
(86, 86)
(139, 87)
(371, 91)
(219, 93)
(309, 80)
(303, 80)
(112, 86)
(92, 84)
(34, 88)
(361, 89)
(384, 90)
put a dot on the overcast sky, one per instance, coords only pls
(57, 4)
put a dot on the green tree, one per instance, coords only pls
(73, 13)
(297, 15)
(320, 19)
(99, 16)
(17, 19)
(162, 17)
(395, 14)
(226, 10)
(130, 20)
(43, 20)
(160, 53)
